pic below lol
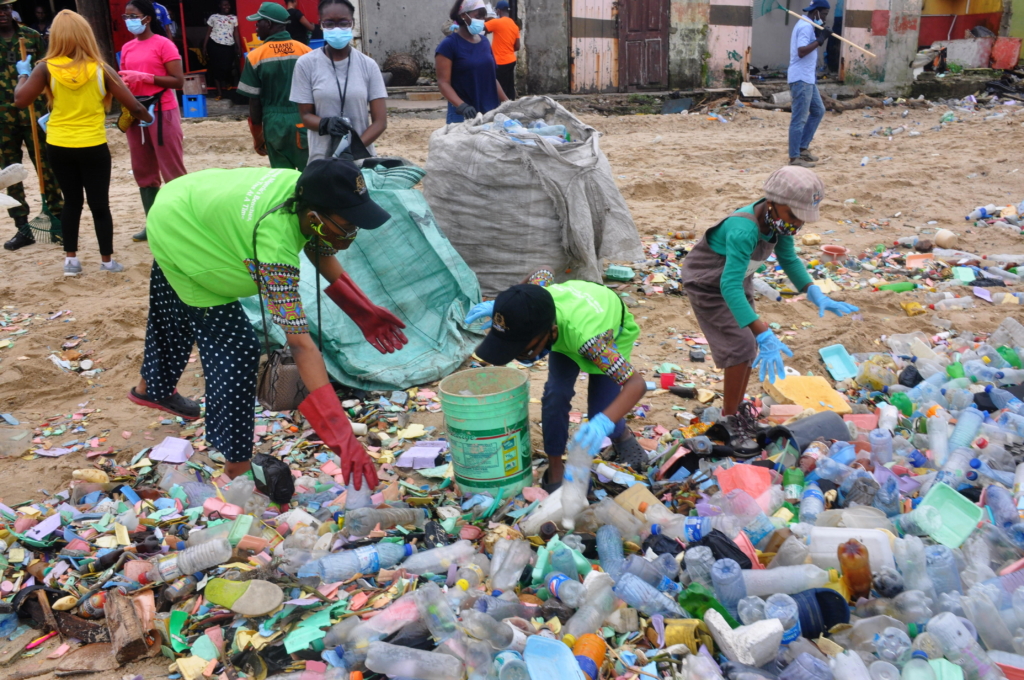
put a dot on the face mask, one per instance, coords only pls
(476, 27)
(818, 21)
(780, 226)
(135, 26)
(338, 38)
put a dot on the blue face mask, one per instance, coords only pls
(135, 26)
(338, 38)
(818, 21)
(476, 26)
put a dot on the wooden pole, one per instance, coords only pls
(835, 35)
(35, 132)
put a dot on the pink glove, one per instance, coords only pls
(133, 78)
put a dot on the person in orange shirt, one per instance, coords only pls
(505, 46)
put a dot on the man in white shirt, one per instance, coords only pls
(803, 62)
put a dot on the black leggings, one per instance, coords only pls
(80, 173)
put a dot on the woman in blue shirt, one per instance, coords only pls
(466, 73)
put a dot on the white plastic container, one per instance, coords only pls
(824, 541)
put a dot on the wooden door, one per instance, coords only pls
(643, 38)
(594, 56)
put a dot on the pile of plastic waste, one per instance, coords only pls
(792, 543)
(526, 134)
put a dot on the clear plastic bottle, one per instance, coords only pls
(887, 498)
(699, 561)
(918, 668)
(921, 521)
(955, 303)
(660, 573)
(978, 371)
(788, 580)
(609, 549)
(849, 666)
(510, 558)
(190, 560)
(473, 572)
(437, 560)
(406, 662)
(750, 609)
(912, 562)
(730, 586)
(343, 565)
(967, 425)
(962, 649)
(762, 288)
(575, 482)
(756, 524)
(645, 598)
(361, 522)
(985, 474)
(1011, 422)
(1003, 399)
(357, 498)
(567, 590)
(942, 569)
(883, 670)
(783, 607)
(812, 503)
(881, 446)
(509, 665)
(691, 529)
(562, 559)
(893, 645)
(600, 603)
(954, 471)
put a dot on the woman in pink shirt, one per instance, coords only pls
(150, 66)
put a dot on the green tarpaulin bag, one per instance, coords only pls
(407, 266)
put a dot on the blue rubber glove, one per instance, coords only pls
(152, 112)
(593, 432)
(769, 356)
(825, 303)
(24, 67)
(481, 310)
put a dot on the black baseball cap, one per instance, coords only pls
(336, 185)
(521, 313)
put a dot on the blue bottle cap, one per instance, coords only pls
(975, 463)
(989, 388)
(655, 529)
(918, 654)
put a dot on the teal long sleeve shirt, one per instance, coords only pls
(736, 238)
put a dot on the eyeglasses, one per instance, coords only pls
(345, 234)
(344, 23)
(126, 17)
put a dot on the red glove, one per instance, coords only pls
(258, 142)
(380, 327)
(324, 413)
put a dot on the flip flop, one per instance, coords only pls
(629, 452)
(248, 598)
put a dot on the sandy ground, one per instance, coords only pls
(676, 172)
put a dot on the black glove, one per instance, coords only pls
(336, 126)
(824, 33)
(466, 111)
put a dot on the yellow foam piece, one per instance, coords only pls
(812, 392)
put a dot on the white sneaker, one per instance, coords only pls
(114, 266)
(71, 269)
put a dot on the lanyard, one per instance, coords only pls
(348, 70)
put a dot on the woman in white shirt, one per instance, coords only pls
(222, 47)
(339, 88)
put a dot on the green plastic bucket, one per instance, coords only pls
(486, 414)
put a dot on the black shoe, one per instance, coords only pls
(20, 240)
(175, 404)
(629, 452)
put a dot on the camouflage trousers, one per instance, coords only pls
(12, 137)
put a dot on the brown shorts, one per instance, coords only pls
(729, 344)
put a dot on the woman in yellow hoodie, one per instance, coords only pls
(79, 87)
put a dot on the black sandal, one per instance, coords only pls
(629, 452)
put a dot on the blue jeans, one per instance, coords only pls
(807, 114)
(557, 401)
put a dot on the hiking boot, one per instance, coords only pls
(20, 240)
(174, 404)
(801, 161)
(808, 156)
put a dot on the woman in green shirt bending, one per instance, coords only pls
(208, 253)
(718, 272)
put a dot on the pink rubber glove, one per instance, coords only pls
(133, 78)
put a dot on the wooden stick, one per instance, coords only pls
(836, 35)
(35, 130)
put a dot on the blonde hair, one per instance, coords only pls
(71, 36)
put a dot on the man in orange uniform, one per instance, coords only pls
(505, 46)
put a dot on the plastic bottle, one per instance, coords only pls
(473, 572)
(983, 212)
(986, 473)
(921, 521)
(645, 598)
(762, 288)
(912, 562)
(357, 498)
(437, 560)
(881, 446)
(792, 552)
(979, 371)
(750, 609)
(942, 569)
(609, 549)
(190, 560)
(730, 586)
(691, 529)
(1011, 376)
(343, 565)
(967, 425)
(1011, 422)
(955, 303)
(782, 607)
(598, 606)
(362, 521)
(893, 645)
(961, 648)
(793, 484)
(590, 651)
(406, 662)
(954, 471)
(806, 667)
(812, 503)
(849, 666)
(483, 627)
(660, 573)
(958, 398)
(699, 561)
(887, 498)
(874, 376)
(883, 670)
(1003, 399)
(509, 665)
(562, 559)
(510, 558)
(610, 512)
(567, 590)
(787, 580)
(575, 482)
(755, 523)
(856, 569)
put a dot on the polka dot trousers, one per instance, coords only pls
(229, 350)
